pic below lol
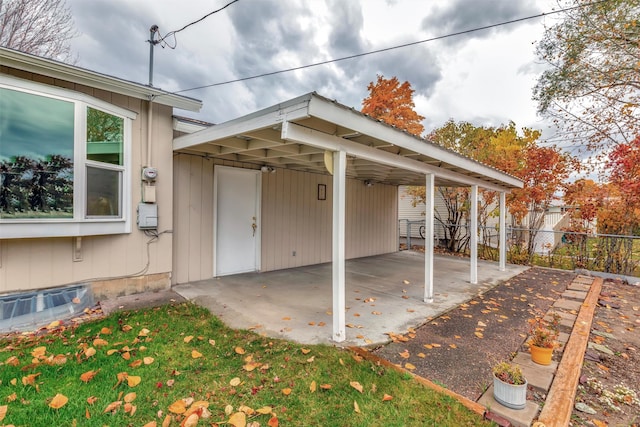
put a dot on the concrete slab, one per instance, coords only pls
(524, 359)
(517, 417)
(567, 304)
(577, 295)
(296, 304)
(575, 286)
(539, 377)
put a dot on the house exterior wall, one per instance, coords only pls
(292, 218)
(27, 264)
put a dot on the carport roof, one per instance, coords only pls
(298, 134)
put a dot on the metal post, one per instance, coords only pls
(408, 235)
(152, 33)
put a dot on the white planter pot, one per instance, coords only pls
(509, 395)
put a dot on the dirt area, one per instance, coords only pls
(458, 348)
(610, 378)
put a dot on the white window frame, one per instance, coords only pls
(79, 225)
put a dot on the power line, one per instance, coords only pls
(358, 55)
(173, 33)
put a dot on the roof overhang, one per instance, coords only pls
(59, 70)
(297, 133)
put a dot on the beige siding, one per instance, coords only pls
(292, 218)
(40, 263)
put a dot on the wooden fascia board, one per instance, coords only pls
(59, 70)
(297, 133)
(243, 125)
(352, 120)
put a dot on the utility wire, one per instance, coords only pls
(162, 39)
(358, 55)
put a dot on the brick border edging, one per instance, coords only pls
(470, 404)
(558, 405)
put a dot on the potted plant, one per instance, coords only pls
(509, 385)
(543, 338)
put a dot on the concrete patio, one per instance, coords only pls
(383, 294)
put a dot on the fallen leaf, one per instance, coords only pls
(99, 342)
(286, 391)
(286, 318)
(356, 407)
(12, 361)
(3, 411)
(76, 300)
(273, 422)
(453, 346)
(39, 352)
(58, 401)
(312, 387)
(599, 423)
(409, 366)
(195, 354)
(89, 352)
(235, 382)
(356, 385)
(126, 328)
(112, 407)
(239, 419)
(325, 386)
(239, 350)
(136, 363)
(151, 424)
(478, 334)
(143, 332)
(88, 376)
(305, 350)
(212, 342)
(178, 407)
(386, 397)
(188, 339)
(30, 379)
(405, 354)
(130, 397)
(133, 380)
(376, 313)
(91, 400)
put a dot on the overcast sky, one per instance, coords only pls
(484, 77)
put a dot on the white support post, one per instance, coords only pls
(428, 238)
(338, 255)
(473, 231)
(503, 231)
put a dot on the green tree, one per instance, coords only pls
(392, 102)
(592, 88)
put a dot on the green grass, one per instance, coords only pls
(279, 365)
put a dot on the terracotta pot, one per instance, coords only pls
(509, 395)
(541, 355)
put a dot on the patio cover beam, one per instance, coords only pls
(303, 135)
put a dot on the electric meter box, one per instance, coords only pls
(147, 216)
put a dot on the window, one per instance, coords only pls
(64, 162)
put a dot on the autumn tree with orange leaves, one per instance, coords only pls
(392, 102)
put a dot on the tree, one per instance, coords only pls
(592, 88)
(40, 27)
(624, 164)
(392, 103)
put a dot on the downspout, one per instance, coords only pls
(149, 130)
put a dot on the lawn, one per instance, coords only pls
(179, 365)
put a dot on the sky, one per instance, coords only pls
(484, 77)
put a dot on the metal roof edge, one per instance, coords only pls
(51, 68)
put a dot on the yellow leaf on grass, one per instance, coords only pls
(356, 407)
(12, 397)
(112, 407)
(356, 385)
(151, 424)
(126, 355)
(91, 400)
(133, 380)
(178, 407)
(30, 379)
(105, 331)
(188, 339)
(39, 352)
(12, 361)
(130, 397)
(325, 386)
(264, 410)
(143, 332)
(58, 401)
(386, 397)
(239, 419)
(195, 354)
(305, 350)
(3, 411)
(313, 386)
(251, 366)
(88, 376)
(99, 342)
(273, 422)
(235, 382)
(409, 366)
(136, 363)
(126, 328)
(190, 421)
(239, 350)
(286, 391)
(112, 351)
(89, 352)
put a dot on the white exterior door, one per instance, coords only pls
(237, 219)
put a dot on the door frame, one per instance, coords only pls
(258, 202)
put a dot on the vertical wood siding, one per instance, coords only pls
(292, 218)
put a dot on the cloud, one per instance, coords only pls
(461, 15)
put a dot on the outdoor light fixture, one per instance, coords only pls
(368, 183)
(266, 169)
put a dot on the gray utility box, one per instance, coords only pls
(147, 216)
